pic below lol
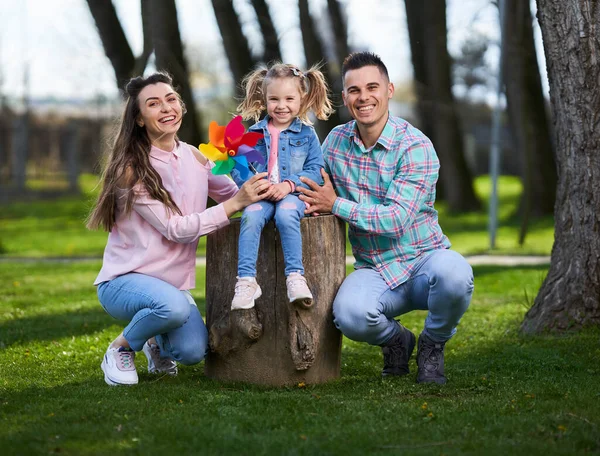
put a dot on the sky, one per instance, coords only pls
(55, 47)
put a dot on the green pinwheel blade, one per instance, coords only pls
(223, 166)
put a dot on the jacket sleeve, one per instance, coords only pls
(313, 164)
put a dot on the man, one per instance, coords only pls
(384, 171)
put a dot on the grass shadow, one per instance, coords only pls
(53, 326)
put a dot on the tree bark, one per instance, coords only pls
(295, 345)
(272, 52)
(340, 33)
(113, 39)
(234, 41)
(340, 30)
(168, 51)
(315, 54)
(436, 105)
(570, 295)
(527, 113)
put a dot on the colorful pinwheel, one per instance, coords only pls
(230, 147)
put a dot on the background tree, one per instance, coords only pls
(235, 42)
(435, 102)
(168, 52)
(527, 113)
(314, 50)
(342, 49)
(272, 51)
(114, 41)
(570, 294)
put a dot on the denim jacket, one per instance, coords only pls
(299, 153)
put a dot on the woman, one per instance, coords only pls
(153, 203)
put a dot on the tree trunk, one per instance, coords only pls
(272, 52)
(436, 105)
(315, 54)
(142, 60)
(234, 41)
(527, 113)
(570, 295)
(296, 345)
(169, 56)
(340, 30)
(113, 39)
(340, 33)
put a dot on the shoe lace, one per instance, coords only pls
(296, 282)
(431, 354)
(125, 359)
(392, 355)
(243, 289)
(160, 362)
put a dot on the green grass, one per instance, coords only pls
(56, 227)
(507, 394)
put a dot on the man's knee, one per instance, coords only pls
(354, 322)
(453, 277)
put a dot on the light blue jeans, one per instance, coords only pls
(155, 308)
(287, 214)
(441, 283)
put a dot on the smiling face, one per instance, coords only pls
(283, 101)
(160, 112)
(366, 95)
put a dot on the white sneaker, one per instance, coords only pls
(156, 363)
(246, 291)
(297, 290)
(119, 367)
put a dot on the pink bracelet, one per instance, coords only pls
(292, 186)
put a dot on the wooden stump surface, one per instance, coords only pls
(297, 345)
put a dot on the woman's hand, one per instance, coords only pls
(253, 190)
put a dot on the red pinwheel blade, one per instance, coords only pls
(234, 132)
(251, 138)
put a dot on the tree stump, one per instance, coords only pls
(296, 345)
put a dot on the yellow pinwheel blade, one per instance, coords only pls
(212, 153)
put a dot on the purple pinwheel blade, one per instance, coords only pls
(251, 154)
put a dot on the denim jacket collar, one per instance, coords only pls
(295, 126)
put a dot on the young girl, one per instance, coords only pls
(291, 149)
(153, 203)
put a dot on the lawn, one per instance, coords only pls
(507, 394)
(56, 228)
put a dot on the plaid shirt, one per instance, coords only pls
(386, 194)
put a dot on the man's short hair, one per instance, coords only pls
(358, 60)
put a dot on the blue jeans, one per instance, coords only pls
(287, 214)
(155, 308)
(441, 283)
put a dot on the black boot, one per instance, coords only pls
(397, 351)
(430, 361)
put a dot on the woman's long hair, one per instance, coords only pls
(128, 163)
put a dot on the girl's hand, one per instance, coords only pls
(279, 191)
(254, 189)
